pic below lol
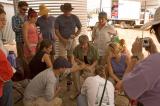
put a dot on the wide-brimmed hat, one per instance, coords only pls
(43, 10)
(155, 21)
(66, 7)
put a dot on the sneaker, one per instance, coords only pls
(72, 97)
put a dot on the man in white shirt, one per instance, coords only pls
(102, 35)
(92, 89)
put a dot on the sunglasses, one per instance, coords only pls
(24, 9)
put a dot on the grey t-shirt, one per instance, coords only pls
(67, 25)
(143, 83)
(42, 85)
(46, 26)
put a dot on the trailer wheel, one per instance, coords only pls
(132, 24)
(123, 24)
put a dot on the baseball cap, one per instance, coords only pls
(61, 62)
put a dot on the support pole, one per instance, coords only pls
(15, 3)
(100, 7)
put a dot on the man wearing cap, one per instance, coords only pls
(85, 53)
(101, 36)
(142, 82)
(44, 88)
(65, 28)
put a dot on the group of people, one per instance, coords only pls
(37, 48)
(104, 63)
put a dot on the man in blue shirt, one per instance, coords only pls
(65, 29)
(46, 25)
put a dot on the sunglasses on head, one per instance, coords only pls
(114, 49)
(110, 45)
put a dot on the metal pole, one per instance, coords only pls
(100, 5)
(15, 3)
(144, 15)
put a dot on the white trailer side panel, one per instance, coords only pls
(8, 33)
(129, 10)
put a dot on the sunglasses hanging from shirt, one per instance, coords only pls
(103, 94)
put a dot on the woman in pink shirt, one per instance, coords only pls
(30, 35)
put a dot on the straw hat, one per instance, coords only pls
(155, 21)
(66, 7)
(43, 10)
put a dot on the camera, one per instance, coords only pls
(145, 42)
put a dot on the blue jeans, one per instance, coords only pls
(7, 98)
(1, 101)
(82, 100)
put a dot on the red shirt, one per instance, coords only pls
(6, 71)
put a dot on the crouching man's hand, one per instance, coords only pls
(119, 86)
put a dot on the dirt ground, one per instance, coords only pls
(128, 34)
(64, 94)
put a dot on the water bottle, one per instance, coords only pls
(69, 83)
(12, 58)
(116, 39)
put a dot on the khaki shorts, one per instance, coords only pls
(64, 50)
(42, 102)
